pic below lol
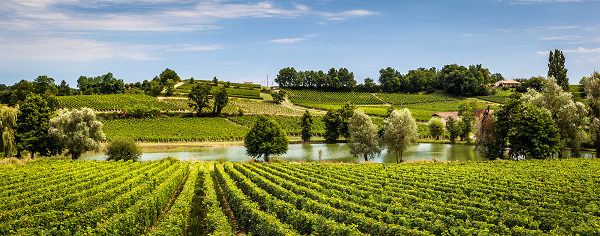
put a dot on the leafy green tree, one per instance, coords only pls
(345, 112)
(466, 126)
(200, 96)
(569, 117)
(265, 138)
(43, 84)
(452, 128)
(533, 134)
(556, 69)
(77, 130)
(436, 127)
(215, 81)
(20, 92)
(8, 124)
(504, 119)
(287, 77)
(123, 149)
(64, 89)
(306, 124)
(370, 85)
(462, 81)
(400, 132)
(221, 100)
(592, 91)
(32, 127)
(168, 74)
(496, 77)
(170, 85)
(363, 136)
(332, 122)
(386, 79)
(535, 82)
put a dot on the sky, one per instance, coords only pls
(241, 41)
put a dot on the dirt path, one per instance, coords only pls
(386, 104)
(179, 84)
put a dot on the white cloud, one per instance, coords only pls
(72, 49)
(187, 47)
(566, 27)
(357, 13)
(564, 37)
(302, 7)
(503, 30)
(311, 35)
(583, 50)
(286, 40)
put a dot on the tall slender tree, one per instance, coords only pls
(221, 100)
(306, 124)
(363, 136)
(400, 132)
(8, 124)
(556, 69)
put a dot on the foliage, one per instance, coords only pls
(340, 79)
(123, 149)
(306, 124)
(535, 82)
(363, 136)
(8, 126)
(400, 132)
(113, 102)
(345, 113)
(167, 75)
(221, 100)
(452, 128)
(265, 138)
(436, 127)
(570, 117)
(592, 91)
(142, 111)
(533, 134)
(64, 89)
(199, 97)
(459, 80)
(174, 129)
(332, 122)
(43, 84)
(103, 84)
(557, 70)
(76, 130)
(32, 127)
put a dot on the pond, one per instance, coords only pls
(339, 152)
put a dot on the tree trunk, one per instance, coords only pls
(397, 160)
(401, 157)
(366, 158)
(560, 154)
(266, 157)
(75, 156)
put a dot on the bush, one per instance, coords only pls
(123, 149)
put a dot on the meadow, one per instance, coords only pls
(537, 197)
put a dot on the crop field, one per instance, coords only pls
(495, 98)
(174, 129)
(248, 106)
(311, 98)
(290, 124)
(399, 98)
(539, 197)
(112, 102)
(231, 92)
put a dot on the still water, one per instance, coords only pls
(310, 152)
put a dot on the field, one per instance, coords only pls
(555, 197)
(231, 92)
(495, 98)
(291, 124)
(112, 102)
(311, 98)
(400, 99)
(248, 106)
(174, 129)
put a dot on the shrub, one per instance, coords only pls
(123, 149)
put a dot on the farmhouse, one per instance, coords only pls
(506, 83)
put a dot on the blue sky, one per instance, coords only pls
(247, 40)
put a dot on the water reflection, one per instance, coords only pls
(338, 152)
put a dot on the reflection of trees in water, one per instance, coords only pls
(462, 153)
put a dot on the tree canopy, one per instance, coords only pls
(306, 124)
(556, 69)
(265, 138)
(200, 96)
(77, 131)
(8, 124)
(363, 136)
(400, 132)
(32, 127)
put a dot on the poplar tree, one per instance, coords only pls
(556, 69)
(306, 124)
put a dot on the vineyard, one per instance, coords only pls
(248, 106)
(231, 92)
(313, 99)
(112, 102)
(399, 99)
(495, 98)
(540, 197)
(174, 129)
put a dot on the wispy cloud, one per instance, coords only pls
(471, 35)
(187, 47)
(583, 50)
(503, 30)
(286, 40)
(566, 27)
(564, 37)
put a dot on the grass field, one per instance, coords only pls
(539, 197)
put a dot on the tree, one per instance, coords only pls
(77, 130)
(332, 122)
(533, 134)
(215, 81)
(369, 85)
(20, 92)
(400, 132)
(8, 124)
(170, 85)
(592, 91)
(386, 79)
(570, 117)
(123, 149)
(64, 89)
(168, 74)
(452, 128)
(32, 127)
(306, 124)
(287, 77)
(466, 125)
(556, 69)
(265, 138)
(221, 100)
(199, 97)
(484, 137)
(363, 136)
(43, 84)
(436, 127)
(345, 112)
